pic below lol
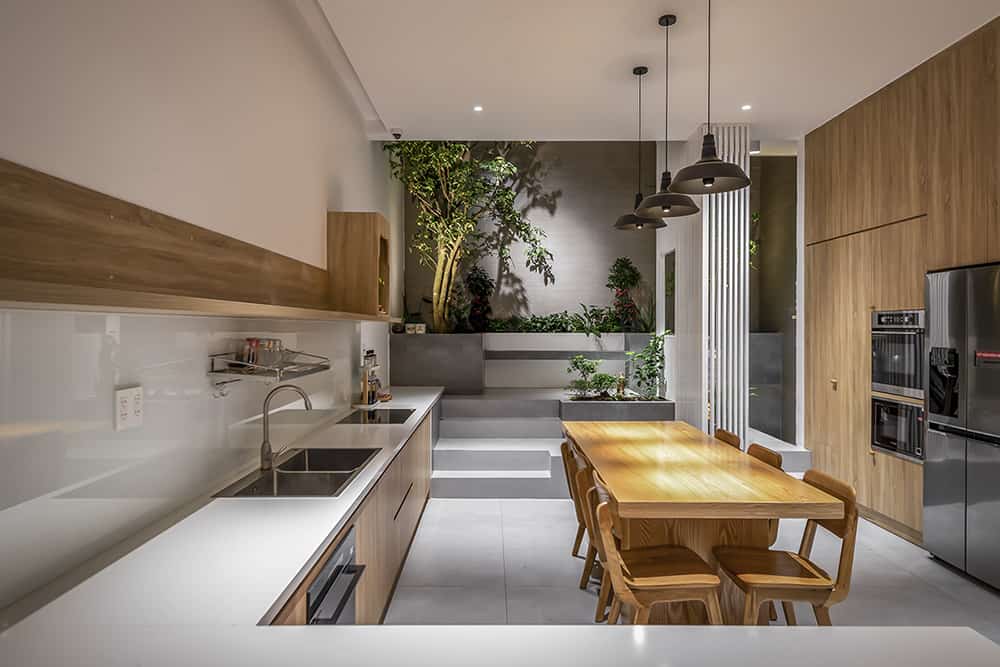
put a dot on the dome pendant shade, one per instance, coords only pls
(709, 174)
(666, 204)
(636, 222)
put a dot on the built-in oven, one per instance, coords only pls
(898, 428)
(898, 352)
(330, 597)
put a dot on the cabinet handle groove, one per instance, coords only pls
(403, 501)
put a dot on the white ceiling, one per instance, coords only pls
(561, 69)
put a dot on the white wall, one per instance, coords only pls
(685, 369)
(223, 114)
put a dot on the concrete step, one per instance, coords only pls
(793, 458)
(498, 484)
(495, 453)
(487, 407)
(501, 427)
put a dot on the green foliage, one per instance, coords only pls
(754, 239)
(596, 320)
(455, 192)
(623, 278)
(646, 368)
(563, 322)
(603, 383)
(646, 316)
(480, 286)
(623, 275)
(583, 366)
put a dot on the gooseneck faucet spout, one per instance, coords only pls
(266, 455)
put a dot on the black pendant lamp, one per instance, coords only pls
(709, 174)
(631, 221)
(666, 204)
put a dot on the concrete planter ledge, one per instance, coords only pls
(616, 411)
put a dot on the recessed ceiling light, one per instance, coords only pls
(477, 108)
(746, 107)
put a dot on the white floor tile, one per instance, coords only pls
(508, 561)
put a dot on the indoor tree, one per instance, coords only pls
(459, 194)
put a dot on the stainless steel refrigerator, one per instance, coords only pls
(962, 464)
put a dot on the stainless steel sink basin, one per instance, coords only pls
(304, 472)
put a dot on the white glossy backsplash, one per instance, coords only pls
(70, 485)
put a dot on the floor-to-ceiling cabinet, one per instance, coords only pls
(902, 183)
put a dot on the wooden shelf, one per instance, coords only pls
(31, 295)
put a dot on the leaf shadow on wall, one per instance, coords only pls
(510, 296)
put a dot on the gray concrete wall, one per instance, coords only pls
(772, 286)
(586, 187)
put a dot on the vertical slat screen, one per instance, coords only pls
(727, 237)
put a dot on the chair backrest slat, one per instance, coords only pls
(768, 456)
(728, 437)
(846, 528)
(605, 527)
(569, 469)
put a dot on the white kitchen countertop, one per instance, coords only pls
(196, 593)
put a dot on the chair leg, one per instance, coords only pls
(602, 597)
(772, 613)
(789, 610)
(579, 539)
(616, 611)
(641, 616)
(750, 609)
(822, 615)
(588, 566)
(713, 608)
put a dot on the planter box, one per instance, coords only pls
(616, 411)
(452, 361)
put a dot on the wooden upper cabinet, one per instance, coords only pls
(899, 255)
(963, 148)
(358, 262)
(819, 185)
(898, 130)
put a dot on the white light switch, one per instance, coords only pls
(128, 408)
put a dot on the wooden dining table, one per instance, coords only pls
(671, 483)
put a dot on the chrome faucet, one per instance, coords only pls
(266, 455)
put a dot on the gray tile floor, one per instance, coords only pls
(508, 562)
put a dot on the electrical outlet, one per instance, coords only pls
(128, 408)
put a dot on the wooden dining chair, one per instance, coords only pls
(569, 468)
(773, 459)
(642, 578)
(765, 574)
(592, 498)
(582, 476)
(728, 437)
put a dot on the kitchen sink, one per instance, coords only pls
(304, 472)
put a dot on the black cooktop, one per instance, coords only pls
(377, 416)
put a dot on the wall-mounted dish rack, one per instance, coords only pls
(225, 367)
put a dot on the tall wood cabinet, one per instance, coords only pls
(902, 183)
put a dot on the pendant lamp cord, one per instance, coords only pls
(666, 97)
(639, 142)
(708, 112)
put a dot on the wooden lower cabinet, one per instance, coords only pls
(384, 526)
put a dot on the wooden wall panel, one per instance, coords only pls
(962, 150)
(55, 232)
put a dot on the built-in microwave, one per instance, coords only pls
(898, 428)
(898, 352)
